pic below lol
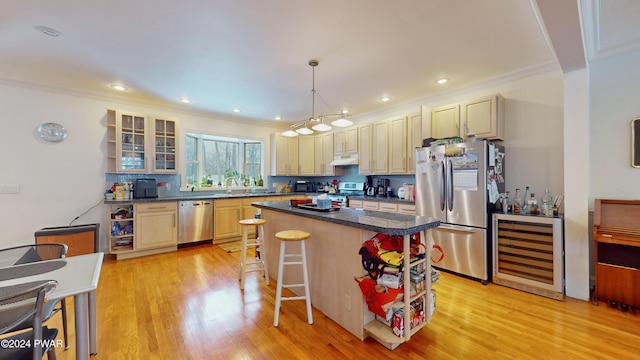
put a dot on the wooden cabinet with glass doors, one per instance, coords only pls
(164, 145)
(126, 140)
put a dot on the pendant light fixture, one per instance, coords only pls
(317, 121)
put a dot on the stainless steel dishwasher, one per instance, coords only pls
(195, 221)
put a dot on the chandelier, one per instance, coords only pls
(317, 122)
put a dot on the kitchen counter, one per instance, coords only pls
(382, 199)
(201, 197)
(376, 221)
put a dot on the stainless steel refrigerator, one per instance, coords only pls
(459, 184)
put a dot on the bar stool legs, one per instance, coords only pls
(284, 237)
(262, 262)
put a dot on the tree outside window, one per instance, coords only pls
(210, 160)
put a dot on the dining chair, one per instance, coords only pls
(20, 303)
(25, 254)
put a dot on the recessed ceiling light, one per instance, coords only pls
(277, 117)
(118, 87)
(48, 31)
(385, 98)
(236, 110)
(185, 100)
(443, 81)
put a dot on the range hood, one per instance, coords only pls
(345, 161)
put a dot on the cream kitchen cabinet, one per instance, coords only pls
(370, 205)
(483, 116)
(324, 148)
(445, 121)
(401, 208)
(165, 136)
(345, 141)
(398, 145)
(284, 151)
(373, 149)
(135, 145)
(156, 225)
(414, 140)
(306, 155)
(408, 209)
(226, 215)
(126, 142)
(356, 204)
(388, 207)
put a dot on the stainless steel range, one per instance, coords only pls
(345, 189)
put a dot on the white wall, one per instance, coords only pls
(615, 101)
(576, 156)
(59, 181)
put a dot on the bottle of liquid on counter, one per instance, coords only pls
(524, 209)
(545, 204)
(532, 205)
(517, 202)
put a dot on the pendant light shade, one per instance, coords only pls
(289, 133)
(321, 127)
(304, 130)
(318, 121)
(342, 122)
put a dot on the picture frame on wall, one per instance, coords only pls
(635, 142)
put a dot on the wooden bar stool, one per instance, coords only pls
(284, 237)
(246, 266)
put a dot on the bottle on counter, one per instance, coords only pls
(504, 202)
(517, 202)
(532, 205)
(546, 206)
(524, 209)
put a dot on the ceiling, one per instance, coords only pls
(253, 54)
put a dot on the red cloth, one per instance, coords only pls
(377, 300)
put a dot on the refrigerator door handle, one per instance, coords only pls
(450, 194)
(443, 185)
(456, 228)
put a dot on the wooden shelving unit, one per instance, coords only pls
(121, 228)
(384, 333)
(616, 232)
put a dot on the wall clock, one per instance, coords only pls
(52, 132)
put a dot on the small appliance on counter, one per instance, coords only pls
(145, 188)
(302, 186)
(383, 187)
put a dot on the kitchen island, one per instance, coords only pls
(333, 260)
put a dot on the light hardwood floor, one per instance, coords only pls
(188, 305)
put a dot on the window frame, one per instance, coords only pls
(200, 138)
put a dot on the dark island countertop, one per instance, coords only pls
(377, 221)
(208, 196)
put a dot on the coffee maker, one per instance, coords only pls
(370, 190)
(383, 187)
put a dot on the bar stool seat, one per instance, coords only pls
(289, 236)
(248, 266)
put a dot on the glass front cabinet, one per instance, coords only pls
(165, 138)
(133, 139)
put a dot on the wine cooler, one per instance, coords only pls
(528, 254)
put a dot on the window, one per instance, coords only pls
(211, 160)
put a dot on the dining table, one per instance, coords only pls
(77, 276)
